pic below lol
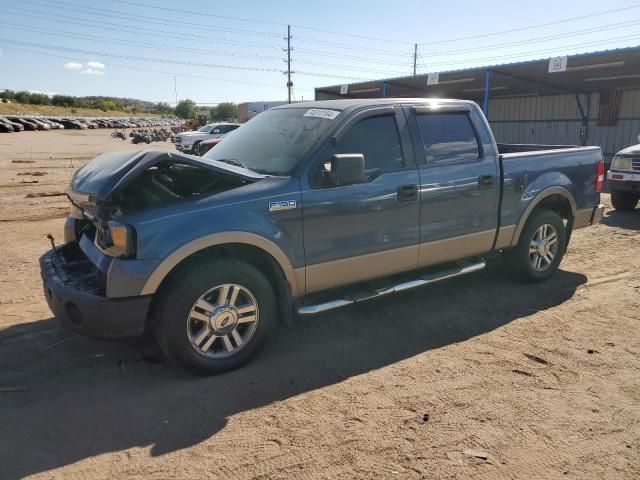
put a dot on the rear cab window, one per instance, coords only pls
(448, 138)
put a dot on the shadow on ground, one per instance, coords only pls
(86, 397)
(628, 220)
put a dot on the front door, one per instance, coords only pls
(367, 230)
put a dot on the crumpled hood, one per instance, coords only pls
(633, 150)
(98, 178)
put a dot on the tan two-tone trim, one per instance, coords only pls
(505, 236)
(294, 276)
(335, 273)
(547, 192)
(456, 248)
(345, 271)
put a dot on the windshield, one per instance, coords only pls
(275, 141)
(205, 129)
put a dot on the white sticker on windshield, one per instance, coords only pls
(322, 113)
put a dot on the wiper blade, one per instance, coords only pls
(233, 161)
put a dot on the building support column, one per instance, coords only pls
(487, 92)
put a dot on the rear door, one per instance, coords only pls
(367, 230)
(459, 183)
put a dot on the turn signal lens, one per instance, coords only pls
(122, 239)
(600, 178)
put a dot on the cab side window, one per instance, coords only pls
(448, 138)
(377, 138)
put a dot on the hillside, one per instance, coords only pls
(25, 109)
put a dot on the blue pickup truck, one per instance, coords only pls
(306, 208)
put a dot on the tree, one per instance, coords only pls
(225, 111)
(186, 109)
(164, 108)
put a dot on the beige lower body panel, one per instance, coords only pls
(323, 276)
(457, 248)
(587, 217)
(505, 237)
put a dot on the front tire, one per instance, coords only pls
(540, 248)
(214, 316)
(624, 201)
(195, 149)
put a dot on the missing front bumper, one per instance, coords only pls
(79, 303)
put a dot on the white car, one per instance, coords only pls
(189, 141)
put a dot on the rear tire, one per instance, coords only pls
(214, 316)
(623, 200)
(540, 248)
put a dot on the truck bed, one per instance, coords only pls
(504, 148)
(528, 169)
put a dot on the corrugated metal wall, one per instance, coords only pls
(556, 120)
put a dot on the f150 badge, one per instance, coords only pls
(282, 205)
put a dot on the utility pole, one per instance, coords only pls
(415, 57)
(175, 87)
(288, 60)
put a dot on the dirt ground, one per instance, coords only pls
(543, 379)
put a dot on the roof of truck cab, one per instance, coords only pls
(366, 102)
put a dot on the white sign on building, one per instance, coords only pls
(432, 78)
(558, 64)
(344, 89)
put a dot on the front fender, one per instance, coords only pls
(295, 277)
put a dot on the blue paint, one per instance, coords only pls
(487, 92)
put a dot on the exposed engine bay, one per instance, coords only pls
(169, 181)
(162, 183)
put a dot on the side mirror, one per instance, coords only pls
(347, 168)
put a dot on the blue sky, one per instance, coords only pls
(233, 51)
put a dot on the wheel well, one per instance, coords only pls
(559, 204)
(252, 255)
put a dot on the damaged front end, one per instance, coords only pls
(115, 185)
(96, 275)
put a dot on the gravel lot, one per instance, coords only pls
(543, 380)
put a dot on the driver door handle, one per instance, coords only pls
(485, 180)
(407, 193)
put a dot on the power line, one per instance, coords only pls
(131, 67)
(346, 46)
(172, 23)
(538, 52)
(161, 47)
(100, 24)
(155, 46)
(158, 20)
(116, 27)
(243, 19)
(529, 27)
(169, 61)
(574, 33)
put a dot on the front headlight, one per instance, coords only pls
(621, 163)
(123, 240)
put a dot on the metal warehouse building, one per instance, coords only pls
(586, 99)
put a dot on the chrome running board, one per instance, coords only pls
(369, 295)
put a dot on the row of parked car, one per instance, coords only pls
(12, 123)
